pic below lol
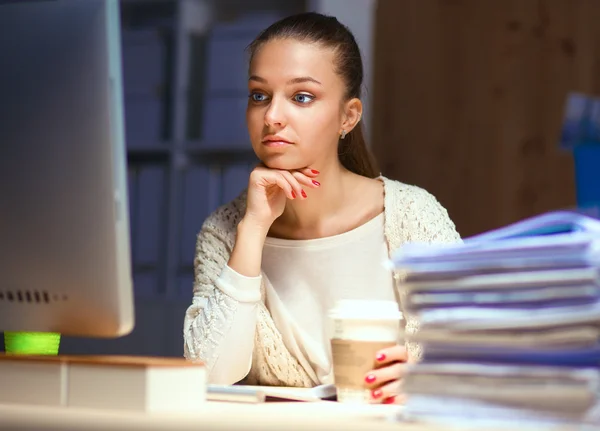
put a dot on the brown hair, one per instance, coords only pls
(327, 31)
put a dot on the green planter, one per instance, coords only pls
(31, 343)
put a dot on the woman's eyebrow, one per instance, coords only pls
(257, 79)
(298, 80)
(302, 79)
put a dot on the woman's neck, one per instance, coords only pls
(308, 217)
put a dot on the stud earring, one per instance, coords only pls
(343, 134)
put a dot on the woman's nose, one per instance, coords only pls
(275, 115)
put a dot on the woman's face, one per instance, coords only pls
(294, 112)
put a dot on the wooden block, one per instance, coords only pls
(133, 383)
(144, 384)
(32, 382)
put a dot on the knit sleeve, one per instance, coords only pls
(219, 325)
(432, 222)
(415, 215)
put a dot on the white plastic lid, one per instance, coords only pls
(365, 309)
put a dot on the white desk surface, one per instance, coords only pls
(225, 416)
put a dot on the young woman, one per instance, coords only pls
(314, 225)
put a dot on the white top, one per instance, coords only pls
(303, 280)
(309, 276)
(221, 315)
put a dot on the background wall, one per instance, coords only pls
(468, 99)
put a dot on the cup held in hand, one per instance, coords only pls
(360, 329)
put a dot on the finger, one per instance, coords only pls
(396, 399)
(391, 354)
(390, 390)
(277, 178)
(384, 375)
(303, 179)
(309, 172)
(299, 191)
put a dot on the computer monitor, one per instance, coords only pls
(64, 225)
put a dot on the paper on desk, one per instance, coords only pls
(505, 281)
(413, 253)
(576, 336)
(551, 223)
(315, 394)
(480, 318)
(568, 357)
(549, 396)
(497, 311)
(525, 386)
(553, 237)
(506, 371)
(431, 408)
(442, 271)
(257, 394)
(521, 298)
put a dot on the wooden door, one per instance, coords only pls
(469, 96)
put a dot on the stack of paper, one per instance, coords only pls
(510, 322)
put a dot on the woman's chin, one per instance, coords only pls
(282, 163)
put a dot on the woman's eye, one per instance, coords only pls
(258, 97)
(303, 98)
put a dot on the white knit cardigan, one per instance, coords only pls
(411, 215)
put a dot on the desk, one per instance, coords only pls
(226, 416)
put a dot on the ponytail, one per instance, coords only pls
(354, 154)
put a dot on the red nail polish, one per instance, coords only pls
(370, 378)
(380, 357)
(303, 194)
(293, 194)
(376, 394)
(314, 171)
(390, 400)
(316, 183)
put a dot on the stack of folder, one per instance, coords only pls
(510, 323)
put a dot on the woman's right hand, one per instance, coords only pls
(269, 189)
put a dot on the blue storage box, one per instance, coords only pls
(227, 58)
(144, 61)
(144, 121)
(224, 122)
(587, 175)
(581, 134)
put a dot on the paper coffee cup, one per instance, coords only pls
(359, 330)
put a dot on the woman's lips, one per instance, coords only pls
(276, 144)
(275, 141)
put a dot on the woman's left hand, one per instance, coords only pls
(384, 381)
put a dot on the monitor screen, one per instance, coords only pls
(64, 226)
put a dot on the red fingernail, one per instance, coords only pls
(314, 171)
(293, 194)
(376, 393)
(390, 400)
(380, 357)
(316, 183)
(303, 194)
(370, 378)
